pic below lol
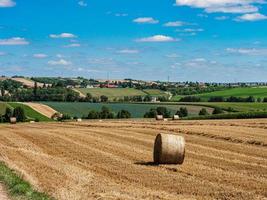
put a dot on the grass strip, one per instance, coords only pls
(17, 187)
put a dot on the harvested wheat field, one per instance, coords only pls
(224, 159)
(41, 108)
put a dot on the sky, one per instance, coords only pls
(185, 40)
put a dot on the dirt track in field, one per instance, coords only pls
(225, 159)
(43, 109)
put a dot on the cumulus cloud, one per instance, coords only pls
(225, 6)
(7, 3)
(157, 38)
(14, 41)
(82, 3)
(63, 35)
(59, 62)
(251, 17)
(128, 51)
(39, 55)
(145, 20)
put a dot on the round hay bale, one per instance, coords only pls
(159, 117)
(13, 120)
(32, 122)
(165, 120)
(175, 117)
(79, 120)
(169, 149)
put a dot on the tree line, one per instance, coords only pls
(17, 112)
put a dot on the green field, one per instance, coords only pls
(237, 92)
(155, 92)
(112, 93)
(80, 109)
(30, 113)
(241, 107)
(3, 106)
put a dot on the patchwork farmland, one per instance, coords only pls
(225, 159)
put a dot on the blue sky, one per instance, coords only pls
(187, 40)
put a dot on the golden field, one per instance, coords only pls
(225, 159)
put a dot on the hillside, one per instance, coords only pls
(257, 92)
(30, 113)
(155, 92)
(112, 93)
(27, 82)
(237, 92)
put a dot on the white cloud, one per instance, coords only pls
(251, 17)
(82, 3)
(63, 35)
(174, 24)
(145, 20)
(14, 41)
(7, 3)
(193, 30)
(225, 6)
(248, 51)
(221, 18)
(128, 51)
(59, 62)
(157, 38)
(39, 55)
(199, 60)
(73, 45)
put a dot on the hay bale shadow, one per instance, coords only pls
(146, 163)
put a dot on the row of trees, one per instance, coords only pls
(223, 99)
(196, 90)
(18, 113)
(182, 112)
(106, 113)
(237, 99)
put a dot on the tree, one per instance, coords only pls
(89, 97)
(103, 98)
(35, 90)
(123, 114)
(259, 99)
(19, 114)
(152, 113)
(163, 111)
(217, 110)
(183, 112)
(93, 115)
(265, 99)
(8, 114)
(147, 98)
(203, 111)
(106, 113)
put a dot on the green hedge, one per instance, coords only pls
(240, 115)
